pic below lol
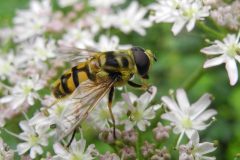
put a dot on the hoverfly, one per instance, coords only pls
(96, 75)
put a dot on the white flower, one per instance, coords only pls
(132, 19)
(77, 37)
(100, 116)
(5, 152)
(195, 150)
(32, 22)
(34, 139)
(109, 44)
(179, 12)
(139, 109)
(57, 117)
(105, 3)
(6, 66)
(229, 53)
(100, 18)
(185, 117)
(76, 151)
(25, 91)
(65, 3)
(39, 49)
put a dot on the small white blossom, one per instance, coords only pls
(39, 49)
(188, 118)
(227, 14)
(140, 111)
(6, 66)
(24, 91)
(101, 18)
(58, 116)
(77, 151)
(179, 12)
(100, 116)
(195, 150)
(77, 37)
(132, 19)
(34, 139)
(32, 22)
(109, 44)
(228, 52)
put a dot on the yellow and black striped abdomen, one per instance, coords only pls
(71, 79)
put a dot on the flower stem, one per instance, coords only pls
(189, 83)
(138, 145)
(179, 140)
(210, 30)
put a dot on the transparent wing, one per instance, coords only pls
(84, 99)
(75, 55)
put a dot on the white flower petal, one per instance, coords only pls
(214, 62)
(237, 57)
(177, 27)
(171, 104)
(195, 138)
(191, 24)
(35, 150)
(23, 148)
(190, 132)
(212, 50)
(59, 149)
(198, 107)
(25, 126)
(147, 97)
(206, 147)
(206, 115)
(6, 99)
(182, 100)
(232, 71)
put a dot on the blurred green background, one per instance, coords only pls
(179, 58)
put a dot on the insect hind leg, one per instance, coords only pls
(72, 137)
(110, 98)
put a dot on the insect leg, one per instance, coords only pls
(110, 98)
(73, 135)
(140, 86)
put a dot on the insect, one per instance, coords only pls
(96, 75)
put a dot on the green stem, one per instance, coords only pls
(138, 142)
(210, 30)
(194, 78)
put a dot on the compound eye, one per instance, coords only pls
(141, 60)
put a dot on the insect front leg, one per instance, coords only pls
(110, 98)
(143, 86)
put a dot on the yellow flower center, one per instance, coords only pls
(77, 157)
(187, 123)
(189, 12)
(233, 50)
(27, 90)
(33, 140)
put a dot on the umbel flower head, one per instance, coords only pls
(140, 111)
(195, 150)
(185, 117)
(179, 12)
(228, 52)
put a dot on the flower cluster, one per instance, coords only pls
(180, 13)
(144, 125)
(227, 15)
